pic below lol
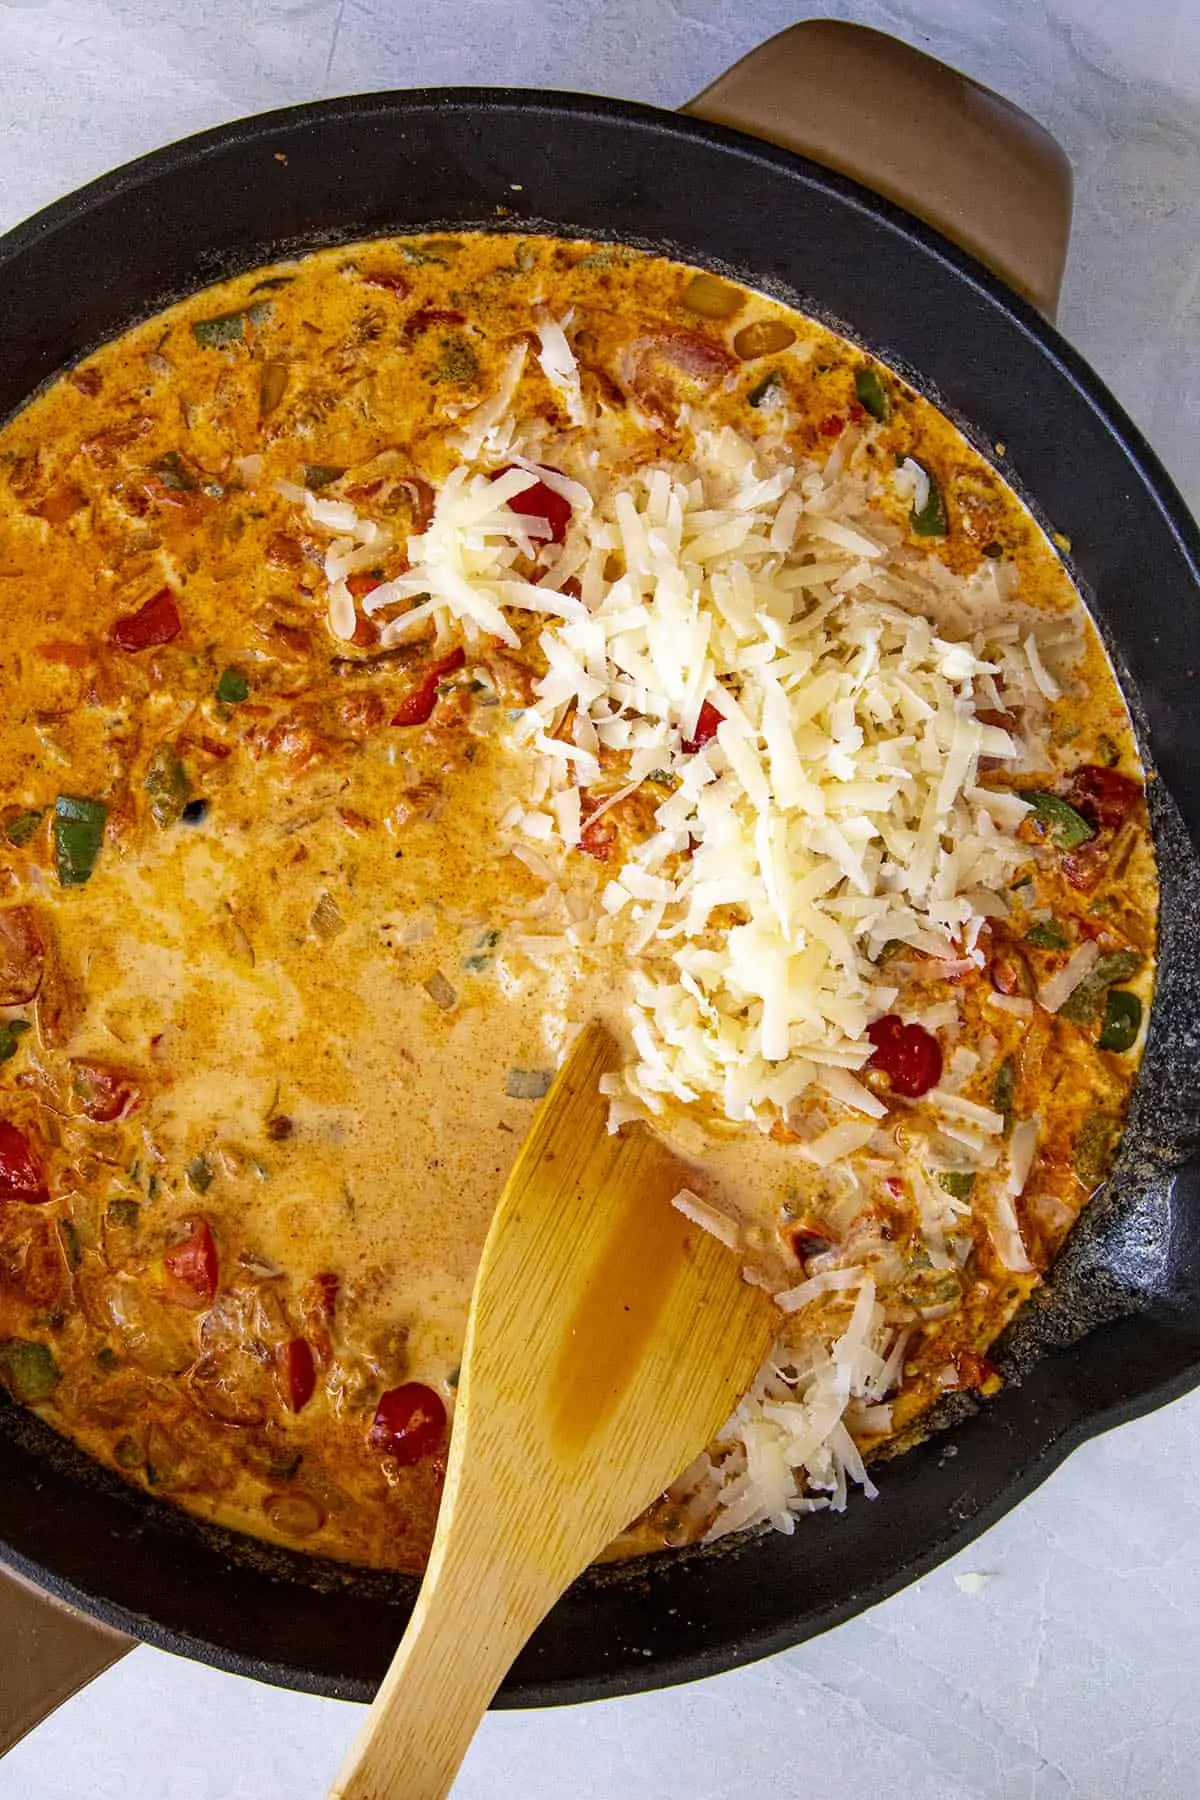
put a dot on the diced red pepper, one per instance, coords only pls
(211, 747)
(908, 1054)
(382, 278)
(416, 708)
(706, 727)
(425, 316)
(21, 1174)
(540, 502)
(833, 426)
(156, 623)
(193, 1265)
(105, 1094)
(299, 1372)
(858, 412)
(409, 1423)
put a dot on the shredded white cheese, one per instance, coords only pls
(1057, 989)
(560, 369)
(814, 823)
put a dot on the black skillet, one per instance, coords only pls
(1118, 1331)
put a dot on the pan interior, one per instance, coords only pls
(1118, 1329)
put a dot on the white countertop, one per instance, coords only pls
(1074, 1674)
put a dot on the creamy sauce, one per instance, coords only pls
(326, 992)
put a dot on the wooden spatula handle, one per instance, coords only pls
(475, 1611)
(607, 1341)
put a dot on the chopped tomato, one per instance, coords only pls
(22, 955)
(21, 1174)
(540, 502)
(1104, 796)
(409, 1423)
(156, 623)
(599, 840)
(422, 500)
(328, 1287)
(318, 1305)
(975, 1371)
(60, 504)
(107, 446)
(1010, 970)
(417, 706)
(299, 1372)
(363, 490)
(425, 316)
(383, 278)
(362, 584)
(651, 367)
(211, 747)
(706, 727)
(283, 552)
(908, 1054)
(833, 426)
(104, 1094)
(696, 355)
(193, 1265)
(360, 714)
(66, 655)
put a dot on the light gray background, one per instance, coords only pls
(1074, 1674)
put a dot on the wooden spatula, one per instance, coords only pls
(608, 1339)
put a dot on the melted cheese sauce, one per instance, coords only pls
(326, 996)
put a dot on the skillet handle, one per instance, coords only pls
(48, 1651)
(968, 162)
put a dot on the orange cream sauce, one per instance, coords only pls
(311, 1006)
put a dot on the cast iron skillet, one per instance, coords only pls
(1118, 1331)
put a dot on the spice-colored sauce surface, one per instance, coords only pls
(277, 991)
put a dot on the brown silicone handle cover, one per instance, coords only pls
(48, 1653)
(963, 159)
